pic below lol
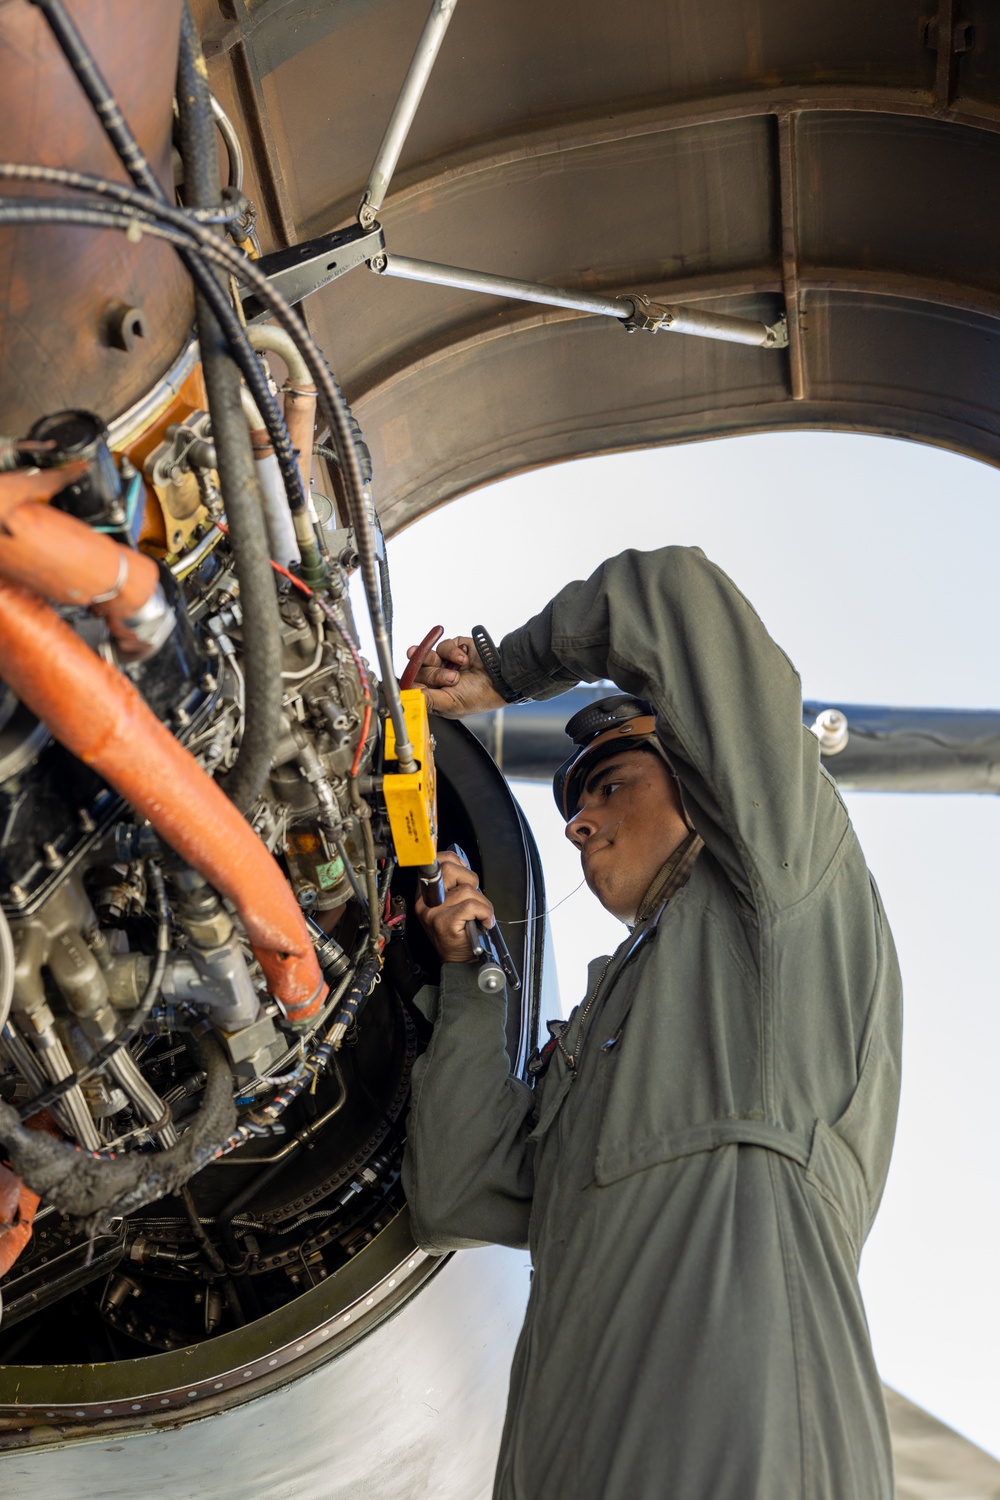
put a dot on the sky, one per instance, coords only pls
(873, 563)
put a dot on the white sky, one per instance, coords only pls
(873, 562)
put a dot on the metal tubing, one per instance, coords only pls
(126, 1073)
(676, 319)
(299, 392)
(706, 325)
(406, 107)
(100, 717)
(503, 286)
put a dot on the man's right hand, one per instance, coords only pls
(454, 680)
(463, 902)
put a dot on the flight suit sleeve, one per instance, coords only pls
(467, 1169)
(670, 627)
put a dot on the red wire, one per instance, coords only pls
(305, 589)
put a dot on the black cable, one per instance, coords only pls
(385, 587)
(135, 162)
(105, 187)
(326, 452)
(148, 209)
(352, 877)
(365, 459)
(91, 1187)
(200, 1233)
(331, 400)
(240, 486)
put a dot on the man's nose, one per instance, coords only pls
(579, 828)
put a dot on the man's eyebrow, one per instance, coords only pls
(609, 768)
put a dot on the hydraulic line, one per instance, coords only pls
(302, 1137)
(331, 401)
(98, 714)
(91, 1187)
(68, 561)
(300, 392)
(241, 490)
(127, 1074)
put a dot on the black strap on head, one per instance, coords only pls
(606, 713)
(597, 731)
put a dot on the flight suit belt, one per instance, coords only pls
(829, 1163)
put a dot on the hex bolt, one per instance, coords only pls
(53, 858)
(124, 325)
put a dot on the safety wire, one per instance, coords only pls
(149, 216)
(148, 212)
(371, 901)
(264, 1120)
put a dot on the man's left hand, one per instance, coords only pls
(463, 902)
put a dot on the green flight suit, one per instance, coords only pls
(696, 1199)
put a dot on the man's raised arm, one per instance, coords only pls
(669, 626)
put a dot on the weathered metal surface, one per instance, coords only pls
(59, 287)
(412, 1409)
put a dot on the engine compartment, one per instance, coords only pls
(207, 971)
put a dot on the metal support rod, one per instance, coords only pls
(406, 107)
(635, 311)
(501, 286)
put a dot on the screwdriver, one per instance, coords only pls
(488, 946)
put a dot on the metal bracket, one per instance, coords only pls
(658, 317)
(303, 269)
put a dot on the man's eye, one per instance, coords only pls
(609, 787)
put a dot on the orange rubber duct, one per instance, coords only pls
(66, 560)
(18, 1204)
(99, 716)
(17, 1208)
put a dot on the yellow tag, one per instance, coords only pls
(411, 801)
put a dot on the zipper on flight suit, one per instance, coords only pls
(648, 929)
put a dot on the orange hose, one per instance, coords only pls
(66, 560)
(14, 1239)
(99, 716)
(18, 1204)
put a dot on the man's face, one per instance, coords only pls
(628, 824)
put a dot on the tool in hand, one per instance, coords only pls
(488, 946)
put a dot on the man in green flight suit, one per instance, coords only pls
(699, 1164)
